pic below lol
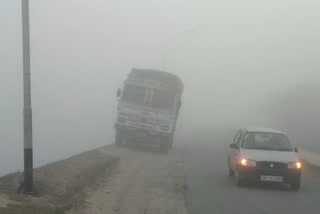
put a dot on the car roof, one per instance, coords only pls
(260, 129)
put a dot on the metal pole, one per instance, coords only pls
(27, 110)
(167, 46)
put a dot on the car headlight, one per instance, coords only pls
(246, 162)
(294, 165)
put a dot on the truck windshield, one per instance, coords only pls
(160, 99)
(266, 141)
(163, 99)
(134, 94)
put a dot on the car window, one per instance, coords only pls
(236, 136)
(239, 139)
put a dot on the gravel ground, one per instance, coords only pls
(144, 181)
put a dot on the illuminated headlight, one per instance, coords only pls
(122, 120)
(294, 165)
(246, 162)
(165, 128)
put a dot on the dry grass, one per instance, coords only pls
(59, 186)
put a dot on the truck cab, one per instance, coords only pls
(148, 108)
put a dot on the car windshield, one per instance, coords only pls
(266, 141)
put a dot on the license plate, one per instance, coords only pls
(271, 178)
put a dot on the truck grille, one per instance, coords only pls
(272, 165)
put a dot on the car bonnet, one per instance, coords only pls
(263, 155)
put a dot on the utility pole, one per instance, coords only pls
(27, 110)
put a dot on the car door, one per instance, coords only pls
(236, 151)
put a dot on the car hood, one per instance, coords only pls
(262, 155)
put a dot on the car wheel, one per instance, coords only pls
(230, 171)
(239, 181)
(296, 185)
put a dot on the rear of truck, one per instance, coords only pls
(148, 108)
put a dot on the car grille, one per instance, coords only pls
(272, 165)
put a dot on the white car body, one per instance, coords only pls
(263, 164)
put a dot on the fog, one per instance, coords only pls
(242, 57)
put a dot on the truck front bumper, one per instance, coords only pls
(141, 135)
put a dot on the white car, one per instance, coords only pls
(264, 155)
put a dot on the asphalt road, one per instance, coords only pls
(210, 190)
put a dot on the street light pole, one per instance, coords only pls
(168, 43)
(27, 110)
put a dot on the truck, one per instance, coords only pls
(148, 108)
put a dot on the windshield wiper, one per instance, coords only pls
(260, 148)
(265, 148)
(283, 149)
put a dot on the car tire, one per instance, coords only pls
(230, 171)
(296, 185)
(239, 181)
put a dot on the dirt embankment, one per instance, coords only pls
(107, 180)
(145, 182)
(58, 186)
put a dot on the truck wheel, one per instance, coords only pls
(164, 147)
(170, 142)
(119, 139)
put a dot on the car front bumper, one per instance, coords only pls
(254, 174)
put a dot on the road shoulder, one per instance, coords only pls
(143, 182)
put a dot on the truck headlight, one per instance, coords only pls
(246, 162)
(294, 165)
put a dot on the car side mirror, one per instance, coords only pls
(233, 146)
(296, 149)
(119, 93)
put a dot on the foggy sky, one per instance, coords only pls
(81, 52)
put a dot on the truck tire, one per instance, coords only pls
(118, 139)
(164, 147)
